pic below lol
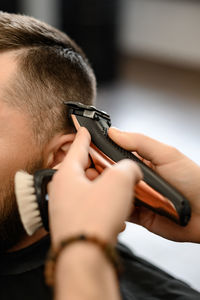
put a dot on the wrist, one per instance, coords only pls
(99, 232)
(84, 254)
(54, 253)
(87, 273)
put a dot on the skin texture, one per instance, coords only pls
(16, 152)
(19, 150)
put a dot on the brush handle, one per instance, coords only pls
(41, 180)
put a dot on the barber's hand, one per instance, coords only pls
(79, 205)
(178, 170)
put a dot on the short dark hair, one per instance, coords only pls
(51, 69)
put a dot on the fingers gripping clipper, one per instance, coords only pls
(153, 191)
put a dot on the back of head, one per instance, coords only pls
(51, 69)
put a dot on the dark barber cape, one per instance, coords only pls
(21, 277)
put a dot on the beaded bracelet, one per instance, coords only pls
(53, 254)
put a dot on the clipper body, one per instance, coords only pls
(153, 191)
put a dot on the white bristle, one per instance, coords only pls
(27, 202)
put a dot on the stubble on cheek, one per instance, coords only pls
(11, 228)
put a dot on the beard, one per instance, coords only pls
(11, 228)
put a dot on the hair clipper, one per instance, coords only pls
(153, 191)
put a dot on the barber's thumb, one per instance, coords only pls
(119, 137)
(114, 131)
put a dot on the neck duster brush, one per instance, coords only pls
(32, 199)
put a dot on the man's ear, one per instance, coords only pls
(57, 148)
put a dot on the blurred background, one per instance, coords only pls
(146, 56)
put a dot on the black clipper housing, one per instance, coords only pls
(153, 191)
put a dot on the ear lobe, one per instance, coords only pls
(58, 148)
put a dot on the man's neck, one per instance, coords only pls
(29, 240)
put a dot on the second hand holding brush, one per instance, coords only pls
(32, 196)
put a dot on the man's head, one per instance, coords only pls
(40, 67)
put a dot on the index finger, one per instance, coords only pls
(156, 152)
(77, 157)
